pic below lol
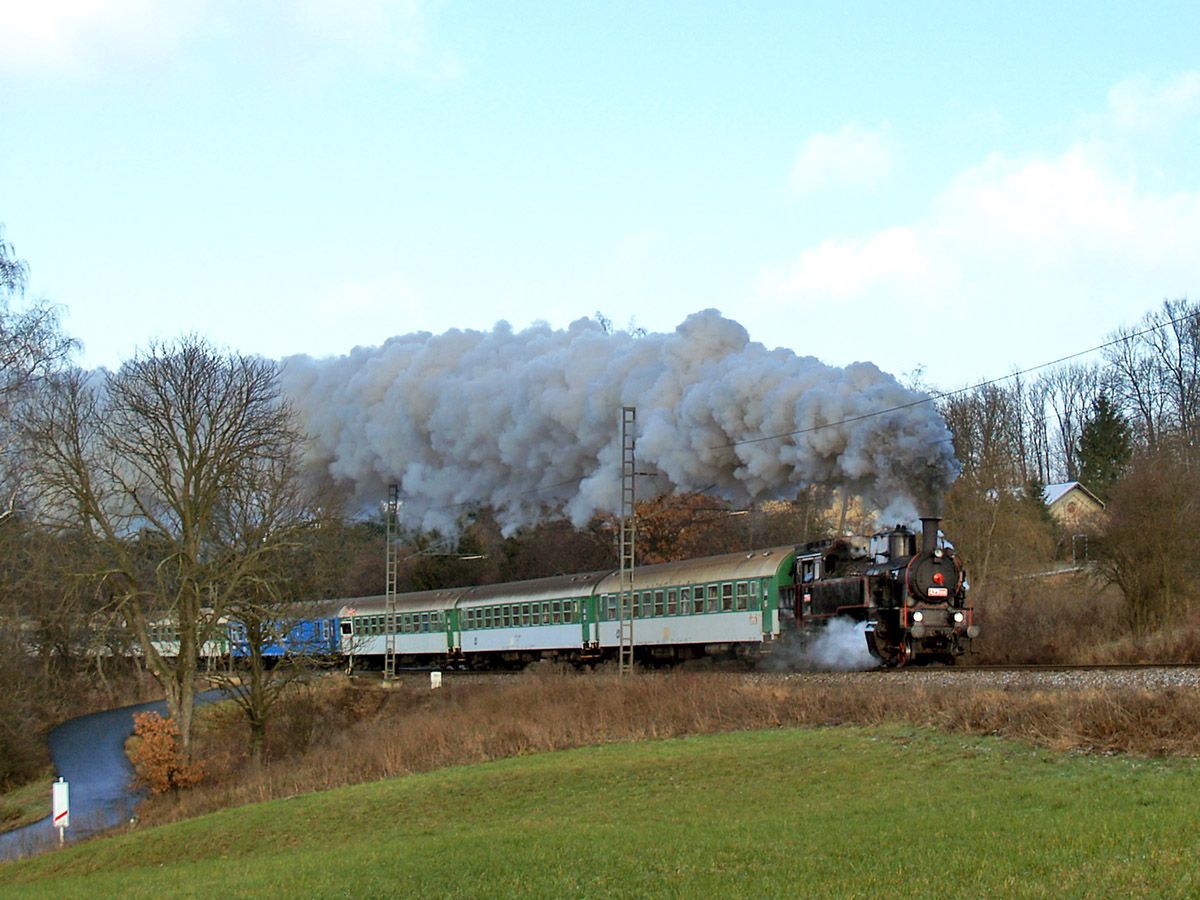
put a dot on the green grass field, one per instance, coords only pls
(828, 812)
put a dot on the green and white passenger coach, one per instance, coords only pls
(729, 605)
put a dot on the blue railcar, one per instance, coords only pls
(311, 629)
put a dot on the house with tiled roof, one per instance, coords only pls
(1071, 504)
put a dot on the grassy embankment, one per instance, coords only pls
(820, 812)
(26, 804)
(331, 734)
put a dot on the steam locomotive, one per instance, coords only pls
(914, 602)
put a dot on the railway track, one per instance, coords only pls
(423, 672)
(1050, 667)
(1115, 677)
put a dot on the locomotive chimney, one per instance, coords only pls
(929, 533)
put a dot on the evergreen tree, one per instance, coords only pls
(1105, 447)
(1035, 496)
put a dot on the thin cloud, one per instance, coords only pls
(1068, 244)
(383, 298)
(80, 37)
(848, 268)
(1140, 104)
(382, 32)
(851, 157)
(75, 36)
(1022, 215)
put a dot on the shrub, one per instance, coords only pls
(158, 762)
(1147, 545)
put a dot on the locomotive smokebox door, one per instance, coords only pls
(932, 578)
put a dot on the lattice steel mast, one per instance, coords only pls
(393, 565)
(628, 533)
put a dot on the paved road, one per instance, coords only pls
(89, 752)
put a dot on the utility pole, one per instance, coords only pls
(628, 533)
(393, 565)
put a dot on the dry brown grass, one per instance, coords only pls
(1069, 619)
(333, 733)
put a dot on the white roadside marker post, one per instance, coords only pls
(61, 797)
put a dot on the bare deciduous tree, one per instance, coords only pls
(277, 638)
(31, 347)
(1156, 369)
(1070, 392)
(154, 464)
(13, 271)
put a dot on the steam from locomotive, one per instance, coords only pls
(527, 422)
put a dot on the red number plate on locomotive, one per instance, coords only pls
(939, 592)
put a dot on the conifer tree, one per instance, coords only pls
(1105, 447)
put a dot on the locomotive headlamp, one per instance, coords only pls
(938, 553)
(959, 617)
(918, 616)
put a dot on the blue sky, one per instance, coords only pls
(960, 187)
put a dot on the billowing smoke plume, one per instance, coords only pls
(841, 646)
(528, 422)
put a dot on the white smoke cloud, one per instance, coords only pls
(527, 422)
(841, 646)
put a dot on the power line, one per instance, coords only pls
(932, 398)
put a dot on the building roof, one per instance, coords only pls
(1052, 493)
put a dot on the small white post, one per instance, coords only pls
(61, 802)
(435, 680)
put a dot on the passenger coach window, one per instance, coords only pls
(713, 598)
(671, 602)
(727, 597)
(659, 609)
(742, 595)
(698, 599)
